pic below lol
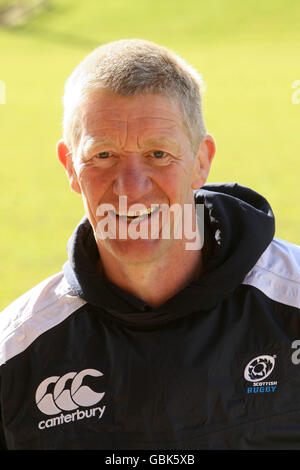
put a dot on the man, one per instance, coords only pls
(173, 321)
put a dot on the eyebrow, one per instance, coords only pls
(90, 143)
(160, 141)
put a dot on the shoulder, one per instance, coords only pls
(35, 312)
(277, 273)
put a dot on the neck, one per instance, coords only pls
(154, 281)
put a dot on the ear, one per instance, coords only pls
(65, 157)
(203, 161)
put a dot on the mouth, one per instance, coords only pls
(138, 215)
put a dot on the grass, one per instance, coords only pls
(248, 53)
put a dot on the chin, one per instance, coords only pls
(136, 251)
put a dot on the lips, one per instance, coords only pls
(138, 215)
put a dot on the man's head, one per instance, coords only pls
(133, 127)
(133, 67)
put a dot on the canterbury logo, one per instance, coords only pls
(70, 398)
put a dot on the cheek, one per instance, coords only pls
(92, 183)
(176, 181)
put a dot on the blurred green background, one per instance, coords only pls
(249, 55)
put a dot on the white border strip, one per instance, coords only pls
(34, 313)
(277, 273)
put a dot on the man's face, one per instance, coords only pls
(135, 147)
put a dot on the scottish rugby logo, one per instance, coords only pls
(259, 368)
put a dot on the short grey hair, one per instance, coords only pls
(131, 67)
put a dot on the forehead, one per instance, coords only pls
(106, 112)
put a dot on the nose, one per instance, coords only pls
(132, 180)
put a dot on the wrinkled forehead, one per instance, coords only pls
(104, 112)
(140, 105)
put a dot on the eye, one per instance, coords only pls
(103, 155)
(158, 154)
